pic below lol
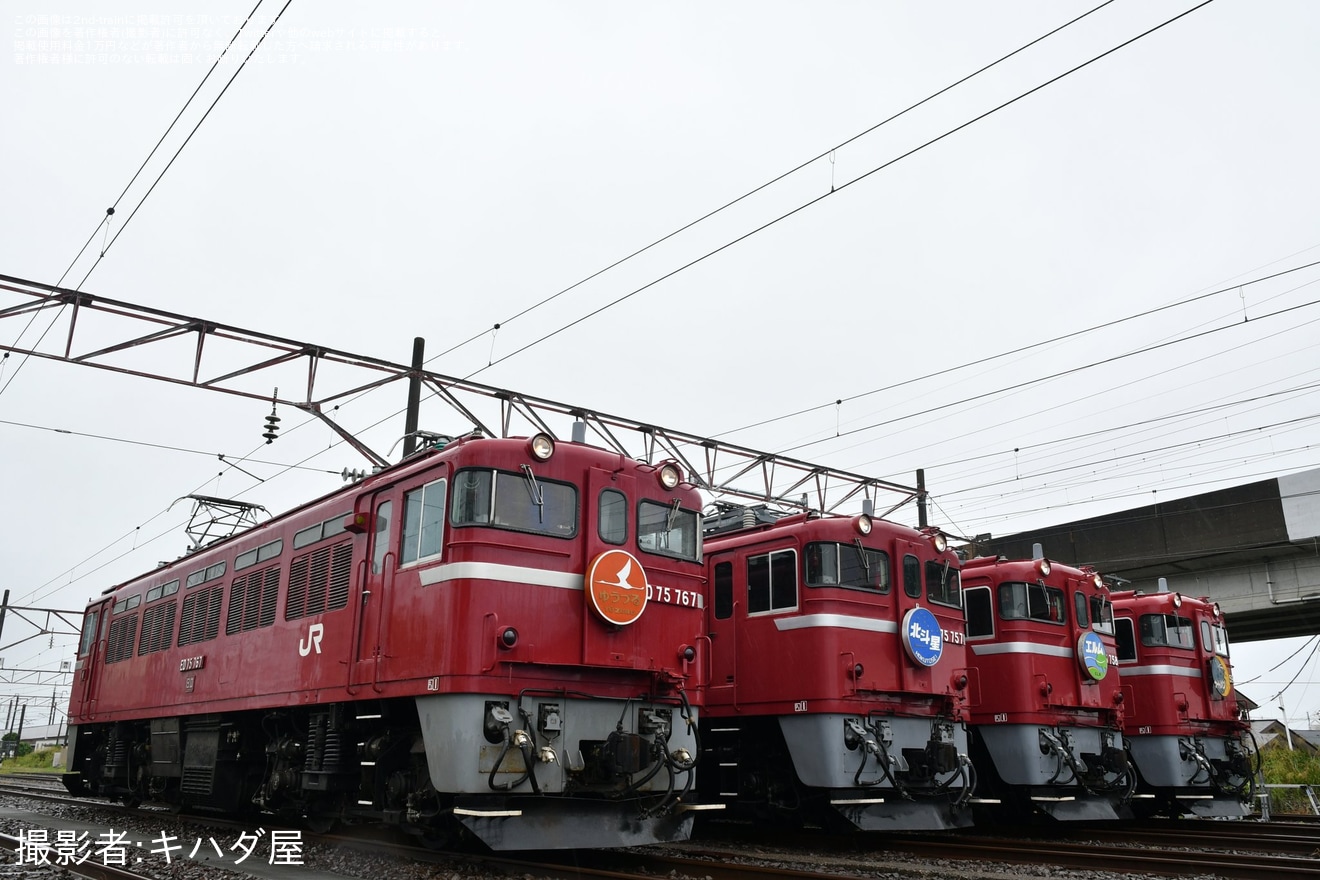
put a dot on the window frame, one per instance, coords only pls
(771, 566)
(421, 530)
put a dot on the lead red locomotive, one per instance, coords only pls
(502, 633)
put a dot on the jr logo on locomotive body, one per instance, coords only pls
(313, 640)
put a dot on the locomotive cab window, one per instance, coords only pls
(830, 564)
(1023, 601)
(980, 612)
(1126, 638)
(612, 516)
(723, 590)
(423, 522)
(772, 582)
(942, 583)
(912, 576)
(1213, 638)
(88, 633)
(669, 530)
(1166, 630)
(520, 502)
(1102, 615)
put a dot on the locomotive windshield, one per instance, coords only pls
(520, 502)
(942, 583)
(1214, 638)
(830, 564)
(1167, 630)
(1023, 601)
(669, 530)
(1102, 615)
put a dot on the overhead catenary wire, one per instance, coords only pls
(829, 153)
(151, 189)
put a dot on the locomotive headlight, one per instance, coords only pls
(1215, 609)
(1099, 582)
(1177, 600)
(939, 542)
(862, 524)
(1043, 566)
(541, 446)
(669, 475)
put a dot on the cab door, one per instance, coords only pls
(87, 668)
(377, 583)
(722, 617)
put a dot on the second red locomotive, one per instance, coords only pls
(838, 674)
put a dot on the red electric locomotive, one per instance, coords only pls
(1045, 705)
(837, 673)
(502, 633)
(1187, 737)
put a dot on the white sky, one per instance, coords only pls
(427, 168)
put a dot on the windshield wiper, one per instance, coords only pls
(534, 489)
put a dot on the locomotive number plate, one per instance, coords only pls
(674, 596)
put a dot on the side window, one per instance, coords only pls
(772, 582)
(613, 524)
(942, 583)
(723, 590)
(1127, 640)
(381, 545)
(980, 615)
(912, 576)
(423, 522)
(89, 632)
(1080, 609)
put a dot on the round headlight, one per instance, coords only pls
(1217, 612)
(1099, 582)
(1043, 566)
(542, 447)
(939, 542)
(1177, 600)
(669, 475)
(862, 524)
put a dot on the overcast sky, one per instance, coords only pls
(381, 172)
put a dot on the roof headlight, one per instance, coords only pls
(1177, 600)
(541, 446)
(939, 542)
(669, 475)
(862, 523)
(1043, 566)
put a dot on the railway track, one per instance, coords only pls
(1240, 850)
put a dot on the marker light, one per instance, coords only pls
(541, 446)
(858, 670)
(669, 475)
(862, 523)
(509, 637)
(688, 653)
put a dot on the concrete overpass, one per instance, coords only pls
(1254, 549)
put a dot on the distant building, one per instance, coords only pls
(1274, 735)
